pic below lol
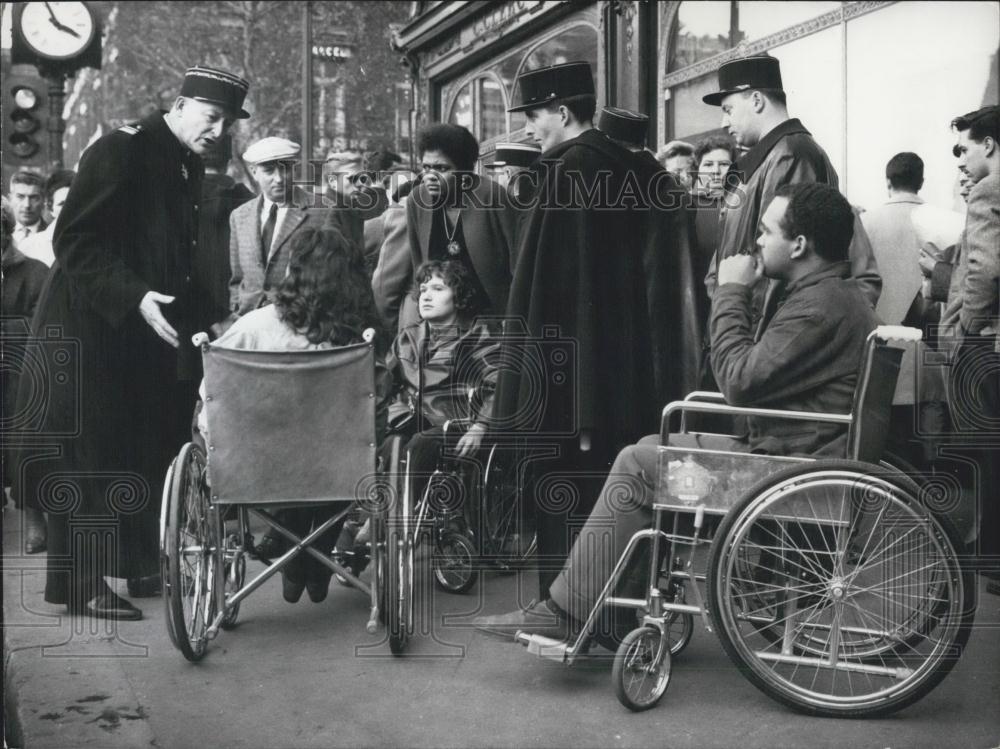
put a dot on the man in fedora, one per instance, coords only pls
(122, 290)
(781, 151)
(578, 287)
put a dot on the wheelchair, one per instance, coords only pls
(270, 446)
(831, 584)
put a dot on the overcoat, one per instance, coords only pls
(118, 399)
(579, 287)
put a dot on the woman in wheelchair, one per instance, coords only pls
(435, 364)
(324, 301)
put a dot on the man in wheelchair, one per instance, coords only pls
(803, 354)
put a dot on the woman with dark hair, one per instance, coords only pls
(436, 362)
(324, 301)
(714, 156)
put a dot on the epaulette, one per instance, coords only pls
(131, 129)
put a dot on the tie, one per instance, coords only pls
(268, 233)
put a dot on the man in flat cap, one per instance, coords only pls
(578, 286)
(122, 292)
(781, 151)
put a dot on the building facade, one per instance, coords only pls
(869, 79)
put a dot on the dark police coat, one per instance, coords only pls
(129, 226)
(579, 287)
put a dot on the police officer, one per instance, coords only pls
(125, 243)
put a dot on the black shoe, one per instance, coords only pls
(270, 547)
(317, 587)
(109, 606)
(291, 589)
(144, 587)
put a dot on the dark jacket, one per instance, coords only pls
(580, 291)
(220, 195)
(786, 155)
(455, 359)
(489, 228)
(119, 403)
(806, 357)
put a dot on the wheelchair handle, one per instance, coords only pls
(200, 339)
(897, 333)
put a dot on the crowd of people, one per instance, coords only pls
(732, 264)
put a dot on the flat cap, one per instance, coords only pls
(271, 149)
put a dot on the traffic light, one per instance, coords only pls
(25, 109)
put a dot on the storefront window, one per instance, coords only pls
(492, 109)
(481, 104)
(461, 109)
(702, 31)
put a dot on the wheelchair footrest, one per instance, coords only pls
(545, 647)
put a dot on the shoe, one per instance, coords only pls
(538, 618)
(269, 548)
(144, 587)
(318, 587)
(34, 531)
(291, 589)
(109, 606)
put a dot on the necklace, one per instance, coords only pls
(453, 247)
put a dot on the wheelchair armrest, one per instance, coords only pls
(449, 422)
(723, 408)
(699, 395)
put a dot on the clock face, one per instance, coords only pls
(57, 30)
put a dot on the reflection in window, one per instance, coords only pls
(706, 28)
(461, 110)
(702, 31)
(577, 43)
(491, 109)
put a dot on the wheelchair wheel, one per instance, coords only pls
(189, 545)
(837, 592)
(680, 628)
(454, 562)
(641, 670)
(508, 537)
(398, 565)
(235, 575)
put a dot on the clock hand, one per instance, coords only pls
(55, 22)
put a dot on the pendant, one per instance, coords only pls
(454, 248)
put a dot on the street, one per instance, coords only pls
(308, 675)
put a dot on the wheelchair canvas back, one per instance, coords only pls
(868, 434)
(290, 427)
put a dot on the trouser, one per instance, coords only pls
(624, 507)
(974, 399)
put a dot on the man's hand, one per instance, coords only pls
(150, 309)
(931, 255)
(741, 269)
(471, 440)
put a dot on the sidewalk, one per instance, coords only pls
(308, 675)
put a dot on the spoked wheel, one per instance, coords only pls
(454, 562)
(189, 541)
(507, 534)
(837, 592)
(680, 628)
(641, 670)
(398, 557)
(235, 575)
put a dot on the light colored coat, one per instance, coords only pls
(252, 283)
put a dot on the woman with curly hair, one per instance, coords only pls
(325, 300)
